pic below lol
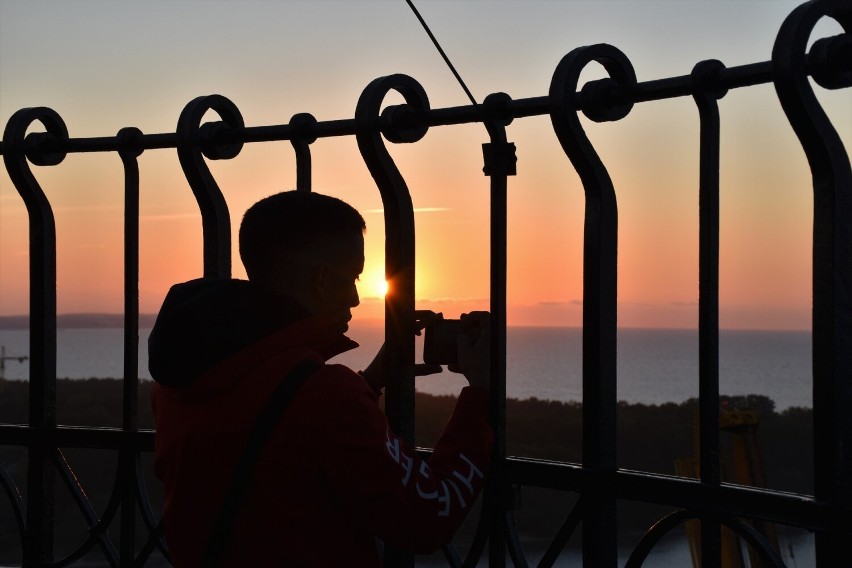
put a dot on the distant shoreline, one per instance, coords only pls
(116, 321)
(78, 321)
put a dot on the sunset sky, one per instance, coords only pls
(104, 65)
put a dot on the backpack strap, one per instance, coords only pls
(269, 416)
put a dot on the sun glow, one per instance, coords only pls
(381, 286)
(373, 286)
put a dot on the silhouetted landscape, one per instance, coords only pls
(651, 438)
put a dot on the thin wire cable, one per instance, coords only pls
(444, 55)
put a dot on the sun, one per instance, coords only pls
(381, 286)
(373, 285)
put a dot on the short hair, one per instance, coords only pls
(283, 226)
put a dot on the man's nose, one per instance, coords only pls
(356, 300)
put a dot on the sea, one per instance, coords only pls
(654, 366)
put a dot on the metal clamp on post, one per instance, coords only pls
(499, 159)
(498, 155)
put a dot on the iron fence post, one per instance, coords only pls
(40, 150)
(399, 250)
(832, 248)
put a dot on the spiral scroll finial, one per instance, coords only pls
(371, 124)
(832, 246)
(216, 141)
(41, 149)
(45, 149)
(604, 100)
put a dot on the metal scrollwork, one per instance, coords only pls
(40, 149)
(371, 123)
(216, 141)
(669, 522)
(603, 100)
(513, 542)
(44, 149)
(399, 232)
(832, 245)
(564, 534)
(97, 525)
(15, 501)
(155, 539)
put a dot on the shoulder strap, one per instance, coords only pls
(258, 436)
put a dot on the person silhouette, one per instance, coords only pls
(331, 480)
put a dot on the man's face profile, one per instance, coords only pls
(309, 247)
(335, 291)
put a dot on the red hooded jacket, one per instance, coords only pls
(332, 477)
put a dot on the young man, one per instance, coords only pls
(332, 477)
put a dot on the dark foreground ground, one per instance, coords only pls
(651, 438)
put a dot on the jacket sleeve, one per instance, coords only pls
(409, 503)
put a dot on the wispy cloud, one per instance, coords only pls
(416, 210)
(453, 300)
(168, 216)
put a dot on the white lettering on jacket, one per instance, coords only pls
(468, 479)
(442, 492)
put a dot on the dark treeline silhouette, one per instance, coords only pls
(650, 438)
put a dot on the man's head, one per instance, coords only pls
(308, 246)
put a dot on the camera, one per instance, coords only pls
(440, 345)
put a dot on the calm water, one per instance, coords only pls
(654, 365)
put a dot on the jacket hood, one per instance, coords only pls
(202, 322)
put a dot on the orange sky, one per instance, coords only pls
(652, 156)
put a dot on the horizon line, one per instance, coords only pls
(112, 320)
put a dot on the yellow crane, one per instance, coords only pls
(743, 466)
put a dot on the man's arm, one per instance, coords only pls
(402, 499)
(383, 484)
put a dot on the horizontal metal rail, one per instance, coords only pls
(737, 500)
(653, 90)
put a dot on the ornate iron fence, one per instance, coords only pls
(597, 481)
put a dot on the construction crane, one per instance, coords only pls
(4, 358)
(744, 466)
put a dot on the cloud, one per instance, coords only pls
(416, 210)
(453, 300)
(169, 216)
(87, 208)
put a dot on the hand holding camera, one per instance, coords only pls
(464, 345)
(375, 374)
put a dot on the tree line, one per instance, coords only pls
(650, 438)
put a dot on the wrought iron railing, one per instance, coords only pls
(597, 481)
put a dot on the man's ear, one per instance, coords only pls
(320, 280)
